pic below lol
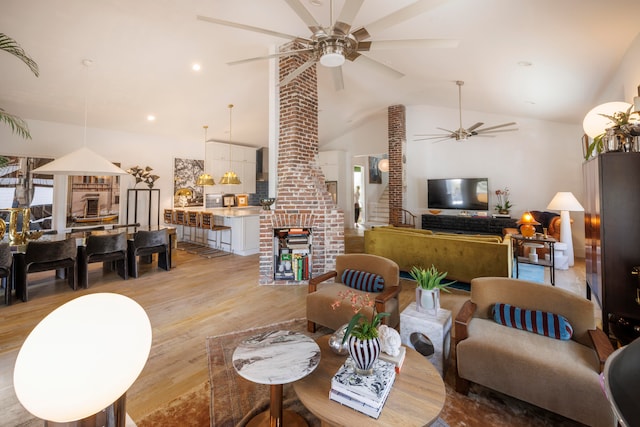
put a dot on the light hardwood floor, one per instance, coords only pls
(199, 298)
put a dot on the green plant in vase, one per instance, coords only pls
(429, 284)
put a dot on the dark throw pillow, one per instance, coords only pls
(540, 322)
(363, 281)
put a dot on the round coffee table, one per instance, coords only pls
(276, 358)
(416, 399)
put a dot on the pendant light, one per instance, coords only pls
(230, 177)
(82, 161)
(205, 178)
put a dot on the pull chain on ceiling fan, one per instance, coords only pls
(333, 45)
(462, 133)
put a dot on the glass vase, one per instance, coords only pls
(364, 354)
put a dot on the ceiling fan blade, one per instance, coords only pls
(402, 15)
(246, 27)
(347, 15)
(273, 55)
(498, 126)
(474, 127)
(447, 130)
(412, 44)
(481, 132)
(306, 17)
(338, 81)
(295, 73)
(379, 66)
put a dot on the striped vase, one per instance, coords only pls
(364, 353)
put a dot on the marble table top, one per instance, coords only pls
(277, 357)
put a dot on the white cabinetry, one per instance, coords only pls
(222, 157)
(246, 234)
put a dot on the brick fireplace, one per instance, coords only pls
(302, 199)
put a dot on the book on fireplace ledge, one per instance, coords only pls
(364, 393)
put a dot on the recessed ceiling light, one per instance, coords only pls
(151, 118)
(525, 63)
(195, 67)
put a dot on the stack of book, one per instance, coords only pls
(364, 393)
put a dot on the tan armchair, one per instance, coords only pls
(322, 295)
(562, 376)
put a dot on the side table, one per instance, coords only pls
(520, 241)
(436, 328)
(276, 358)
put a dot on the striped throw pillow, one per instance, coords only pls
(536, 321)
(363, 281)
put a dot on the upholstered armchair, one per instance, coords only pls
(323, 292)
(526, 350)
(145, 244)
(60, 255)
(106, 248)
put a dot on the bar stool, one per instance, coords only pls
(180, 219)
(193, 224)
(217, 229)
(206, 222)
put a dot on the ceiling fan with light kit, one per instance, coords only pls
(331, 46)
(462, 134)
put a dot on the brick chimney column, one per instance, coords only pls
(397, 134)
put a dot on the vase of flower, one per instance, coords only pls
(364, 353)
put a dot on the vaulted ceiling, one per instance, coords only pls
(543, 59)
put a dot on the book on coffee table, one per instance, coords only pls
(355, 390)
(398, 360)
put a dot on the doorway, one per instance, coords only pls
(359, 196)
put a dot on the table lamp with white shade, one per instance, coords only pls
(565, 201)
(82, 358)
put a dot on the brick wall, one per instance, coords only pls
(397, 173)
(302, 198)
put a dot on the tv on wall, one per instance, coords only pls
(458, 193)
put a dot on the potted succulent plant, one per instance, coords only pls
(429, 284)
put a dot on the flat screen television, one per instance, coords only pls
(458, 193)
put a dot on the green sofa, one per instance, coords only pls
(463, 257)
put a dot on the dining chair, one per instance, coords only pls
(147, 243)
(6, 260)
(44, 256)
(110, 249)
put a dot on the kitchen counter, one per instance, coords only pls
(230, 212)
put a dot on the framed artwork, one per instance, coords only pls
(332, 188)
(243, 199)
(185, 175)
(93, 200)
(375, 176)
(21, 188)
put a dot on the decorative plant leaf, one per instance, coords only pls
(10, 45)
(17, 125)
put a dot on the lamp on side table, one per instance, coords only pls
(565, 201)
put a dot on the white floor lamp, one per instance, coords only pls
(565, 201)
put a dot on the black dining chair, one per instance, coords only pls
(147, 243)
(6, 260)
(110, 249)
(44, 256)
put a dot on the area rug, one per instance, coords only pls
(234, 400)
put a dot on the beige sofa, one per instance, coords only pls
(560, 376)
(462, 256)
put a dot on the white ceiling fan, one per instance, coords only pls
(462, 133)
(331, 46)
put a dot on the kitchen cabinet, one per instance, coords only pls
(245, 233)
(222, 157)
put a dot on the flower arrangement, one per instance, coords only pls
(359, 326)
(503, 200)
(430, 278)
(620, 120)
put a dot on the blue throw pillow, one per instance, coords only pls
(536, 321)
(363, 281)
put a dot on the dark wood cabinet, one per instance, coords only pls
(612, 233)
(466, 224)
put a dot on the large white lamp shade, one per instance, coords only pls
(565, 201)
(82, 357)
(594, 124)
(80, 162)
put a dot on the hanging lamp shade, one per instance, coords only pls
(230, 177)
(80, 162)
(205, 178)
